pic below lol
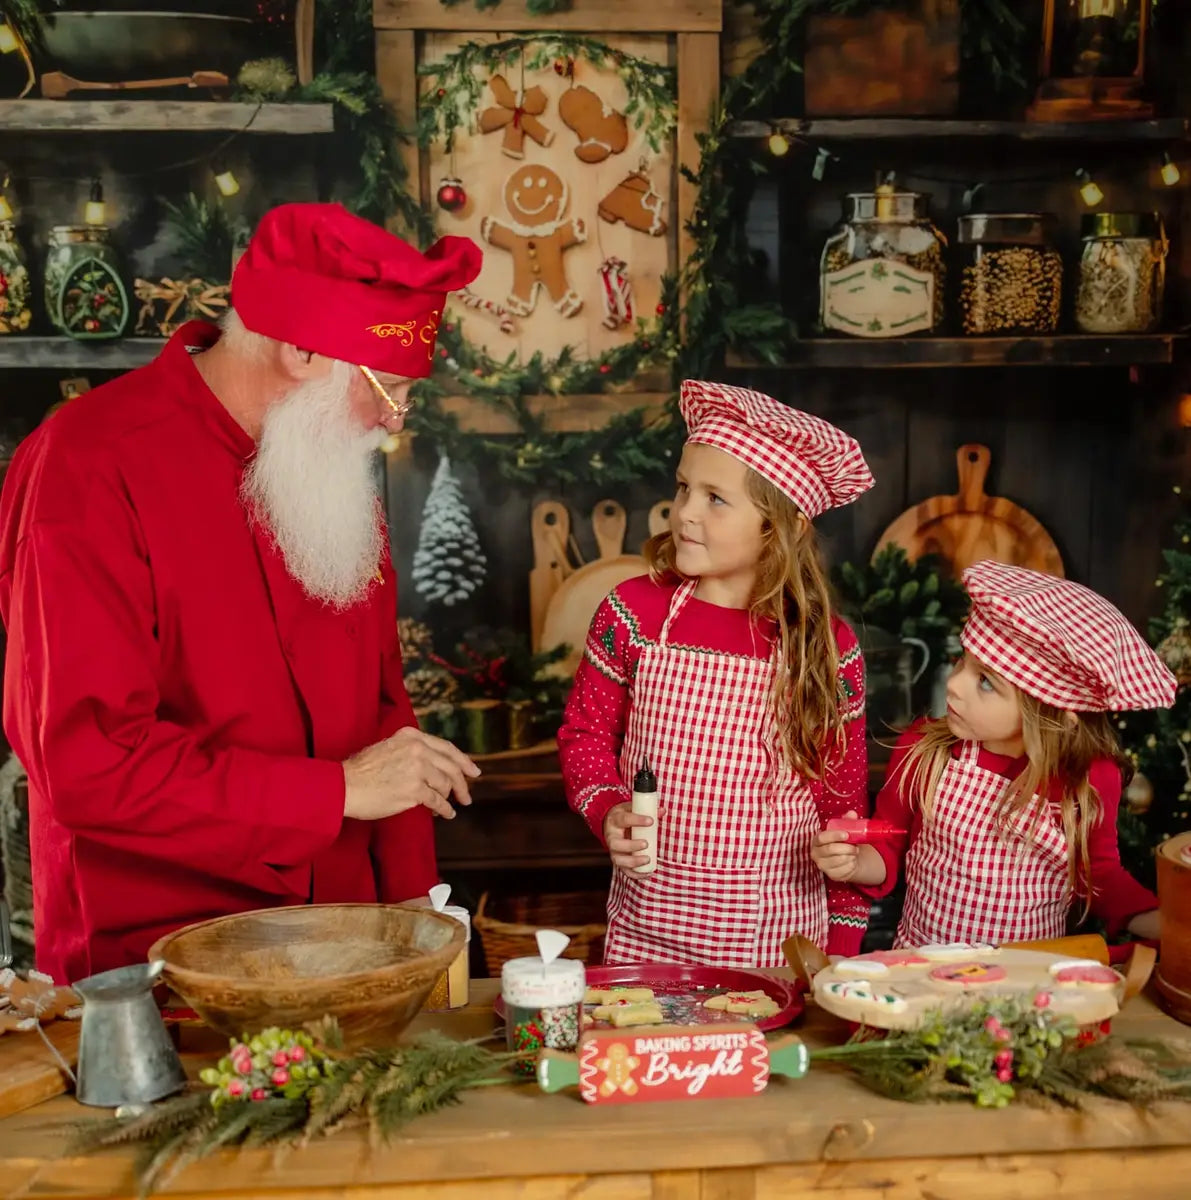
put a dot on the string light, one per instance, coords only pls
(822, 158)
(226, 181)
(1170, 171)
(1089, 189)
(8, 39)
(95, 211)
(779, 144)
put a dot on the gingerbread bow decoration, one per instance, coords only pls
(202, 299)
(517, 114)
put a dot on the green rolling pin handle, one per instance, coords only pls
(557, 1070)
(789, 1056)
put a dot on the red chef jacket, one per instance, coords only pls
(180, 704)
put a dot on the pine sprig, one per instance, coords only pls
(384, 1089)
(205, 235)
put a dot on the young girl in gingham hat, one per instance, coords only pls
(726, 669)
(1011, 799)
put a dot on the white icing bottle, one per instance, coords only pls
(645, 804)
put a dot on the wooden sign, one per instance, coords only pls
(679, 1062)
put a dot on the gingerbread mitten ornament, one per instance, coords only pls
(537, 237)
(517, 114)
(601, 130)
(635, 202)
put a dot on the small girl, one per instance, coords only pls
(727, 671)
(1011, 800)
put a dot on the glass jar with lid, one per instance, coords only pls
(84, 293)
(15, 287)
(1011, 275)
(882, 273)
(1122, 272)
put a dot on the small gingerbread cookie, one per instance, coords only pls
(747, 1004)
(622, 1015)
(968, 974)
(632, 995)
(1085, 973)
(600, 128)
(36, 996)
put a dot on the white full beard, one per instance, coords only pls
(312, 486)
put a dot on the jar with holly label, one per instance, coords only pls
(84, 294)
(883, 273)
(543, 1006)
(15, 287)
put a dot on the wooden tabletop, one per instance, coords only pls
(824, 1132)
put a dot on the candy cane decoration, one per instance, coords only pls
(498, 311)
(617, 293)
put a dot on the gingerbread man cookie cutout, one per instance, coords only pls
(517, 114)
(601, 130)
(618, 1068)
(537, 237)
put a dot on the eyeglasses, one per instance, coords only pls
(400, 410)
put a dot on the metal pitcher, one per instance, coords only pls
(890, 674)
(125, 1052)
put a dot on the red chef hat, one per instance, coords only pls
(1060, 642)
(817, 465)
(319, 277)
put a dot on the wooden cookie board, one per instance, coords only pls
(1026, 972)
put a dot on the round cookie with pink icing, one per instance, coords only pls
(968, 974)
(1085, 973)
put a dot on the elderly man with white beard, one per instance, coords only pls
(203, 677)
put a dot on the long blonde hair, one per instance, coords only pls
(791, 589)
(1060, 748)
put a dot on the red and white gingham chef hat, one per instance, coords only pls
(1060, 642)
(817, 465)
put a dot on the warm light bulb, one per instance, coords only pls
(8, 39)
(1170, 171)
(779, 144)
(1089, 189)
(6, 213)
(94, 211)
(227, 183)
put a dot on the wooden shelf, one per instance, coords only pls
(1070, 350)
(173, 116)
(69, 355)
(1171, 129)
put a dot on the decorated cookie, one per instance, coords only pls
(517, 114)
(600, 128)
(861, 966)
(748, 1004)
(36, 996)
(1089, 974)
(892, 958)
(622, 1015)
(861, 991)
(968, 974)
(614, 995)
(955, 951)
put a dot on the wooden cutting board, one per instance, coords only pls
(28, 1072)
(573, 605)
(971, 525)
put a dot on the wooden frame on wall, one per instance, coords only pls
(693, 29)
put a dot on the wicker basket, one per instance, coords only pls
(511, 933)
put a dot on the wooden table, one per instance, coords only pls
(822, 1135)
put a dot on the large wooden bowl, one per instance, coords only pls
(371, 966)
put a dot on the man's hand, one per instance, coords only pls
(403, 771)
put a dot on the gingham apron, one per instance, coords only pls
(971, 878)
(734, 875)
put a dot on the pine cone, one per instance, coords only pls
(428, 686)
(1175, 652)
(417, 642)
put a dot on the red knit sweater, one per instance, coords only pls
(590, 740)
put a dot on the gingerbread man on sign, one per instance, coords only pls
(537, 237)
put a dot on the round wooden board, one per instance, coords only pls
(970, 526)
(574, 604)
(1026, 971)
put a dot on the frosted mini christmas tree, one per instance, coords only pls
(449, 565)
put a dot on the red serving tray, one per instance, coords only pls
(690, 986)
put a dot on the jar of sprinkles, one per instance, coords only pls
(543, 1002)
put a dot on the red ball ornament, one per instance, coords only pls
(451, 195)
(661, 308)
(604, 368)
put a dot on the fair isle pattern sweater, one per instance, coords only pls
(590, 740)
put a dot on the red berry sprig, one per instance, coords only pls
(275, 1063)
